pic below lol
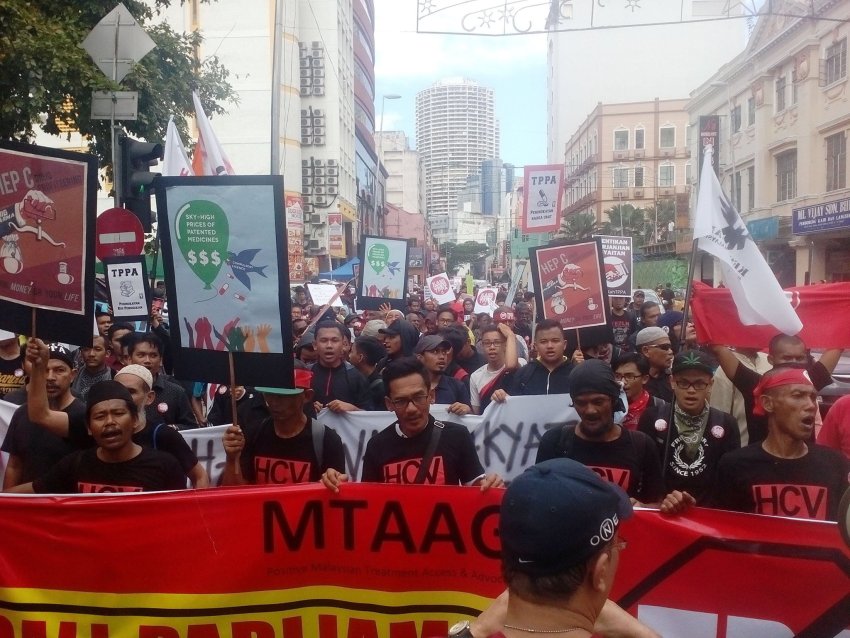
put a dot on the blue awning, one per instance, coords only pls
(343, 272)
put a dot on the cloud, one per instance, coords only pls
(401, 52)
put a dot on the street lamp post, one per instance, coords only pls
(384, 98)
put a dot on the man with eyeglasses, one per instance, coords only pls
(435, 353)
(654, 344)
(691, 447)
(417, 448)
(632, 370)
(500, 349)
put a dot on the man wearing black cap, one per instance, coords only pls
(435, 352)
(287, 447)
(559, 527)
(691, 449)
(400, 337)
(623, 457)
(117, 464)
(32, 449)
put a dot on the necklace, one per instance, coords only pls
(540, 631)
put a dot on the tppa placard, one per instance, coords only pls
(617, 260)
(541, 206)
(440, 288)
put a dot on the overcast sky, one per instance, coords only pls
(515, 67)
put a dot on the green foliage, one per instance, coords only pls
(468, 252)
(46, 78)
(578, 226)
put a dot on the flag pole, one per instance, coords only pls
(688, 290)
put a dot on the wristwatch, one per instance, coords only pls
(461, 630)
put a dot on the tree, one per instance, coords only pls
(468, 252)
(627, 220)
(47, 79)
(578, 226)
(664, 211)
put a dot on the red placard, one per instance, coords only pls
(118, 233)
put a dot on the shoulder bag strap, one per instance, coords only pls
(436, 432)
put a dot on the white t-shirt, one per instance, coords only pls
(479, 380)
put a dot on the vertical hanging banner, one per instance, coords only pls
(569, 284)
(47, 236)
(224, 243)
(383, 272)
(709, 135)
(619, 265)
(129, 288)
(295, 237)
(543, 188)
(336, 242)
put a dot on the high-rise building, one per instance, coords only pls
(631, 64)
(496, 181)
(404, 174)
(326, 115)
(456, 130)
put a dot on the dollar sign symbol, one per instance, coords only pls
(203, 257)
(216, 258)
(191, 257)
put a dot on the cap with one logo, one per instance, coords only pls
(556, 515)
(429, 343)
(648, 335)
(303, 381)
(503, 314)
(58, 351)
(694, 360)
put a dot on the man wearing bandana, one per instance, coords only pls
(623, 457)
(785, 474)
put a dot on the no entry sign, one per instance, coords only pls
(119, 233)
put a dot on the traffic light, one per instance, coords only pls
(134, 177)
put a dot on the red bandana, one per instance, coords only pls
(786, 377)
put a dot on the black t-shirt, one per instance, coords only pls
(629, 461)
(37, 448)
(535, 378)
(746, 380)
(622, 326)
(171, 404)
(11, 375)
(475, 361)
(696, 476)
(344, 382)
(267, 458)
(376, 389)
(660, 387)
(751, 480)
(165, 438)
(392, 457)
(84, 473)
(450, 390)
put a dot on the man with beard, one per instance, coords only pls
(654, 344)
(700, 435)
(620, 456)
(95, 368)
(417, 449)
(435, 353)
(32, 449)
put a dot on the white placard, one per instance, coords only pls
(322, 294)
(440, 288)
(485, 301)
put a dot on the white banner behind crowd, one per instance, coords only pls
(506, 435)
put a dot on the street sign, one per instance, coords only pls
(118, 234)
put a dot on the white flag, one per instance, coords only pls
(722, 233)
(209, 157)
(176, 162)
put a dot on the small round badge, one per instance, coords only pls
(19, 373)
(661, 425)
(717, 431)
(222, 389)
(162, 408)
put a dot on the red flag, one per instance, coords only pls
(824, 310)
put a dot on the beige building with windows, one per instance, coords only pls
(784, 113)
(633, 153)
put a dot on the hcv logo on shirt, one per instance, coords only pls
(404, 472)
(268, 470)
(796, 501)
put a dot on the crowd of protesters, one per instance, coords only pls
(673, 422)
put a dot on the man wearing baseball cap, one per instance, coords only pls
(699, 436)
(785, 474)
(654, 344)
(435, 353)
(287, 447)
(32, 446)
(559, 526)
(624, 457)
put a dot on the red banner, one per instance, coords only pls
(379, 561)
(824, 310)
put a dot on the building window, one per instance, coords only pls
(780, 93)
(751, 187)
(751, 111)
(621, 140)
(688, 175)
(667, 137)
(786, 175)
(639, 176)
(736, 190)
(639, 143)
(835, 64)
(836, 161)
(736, 118)
(666, 175)
(621, 178)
